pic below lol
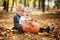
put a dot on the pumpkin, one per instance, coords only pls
(31, 26)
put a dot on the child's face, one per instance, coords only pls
(21, 12)
(27, 14)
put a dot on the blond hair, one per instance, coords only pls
(19, 7)
(28, 9)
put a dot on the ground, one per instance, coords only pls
(6, 20)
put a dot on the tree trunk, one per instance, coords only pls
(20, 1)
(25, 3)
(4, 4)
(43, 5)
(12, 5)
(39, 4)
(48, 5)
(7, 5)
(34, 3)
(58, 4)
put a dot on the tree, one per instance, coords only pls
(58, 4)
(28, 3)
(34, 3)
(39, 4)
(43, 5)
(12, 5)
(20, 1)
(25, 3)
(6, 5)
(48, 5)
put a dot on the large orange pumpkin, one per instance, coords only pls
(31, 26)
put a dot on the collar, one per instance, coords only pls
(18, 15)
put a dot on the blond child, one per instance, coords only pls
(26, 16)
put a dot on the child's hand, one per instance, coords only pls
(34, 20)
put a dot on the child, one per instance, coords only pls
(19, 13)
(26, 16)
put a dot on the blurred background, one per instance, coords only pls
(44, 5)
(45, 11)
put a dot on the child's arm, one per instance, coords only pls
(33, 20)
(16, 24)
